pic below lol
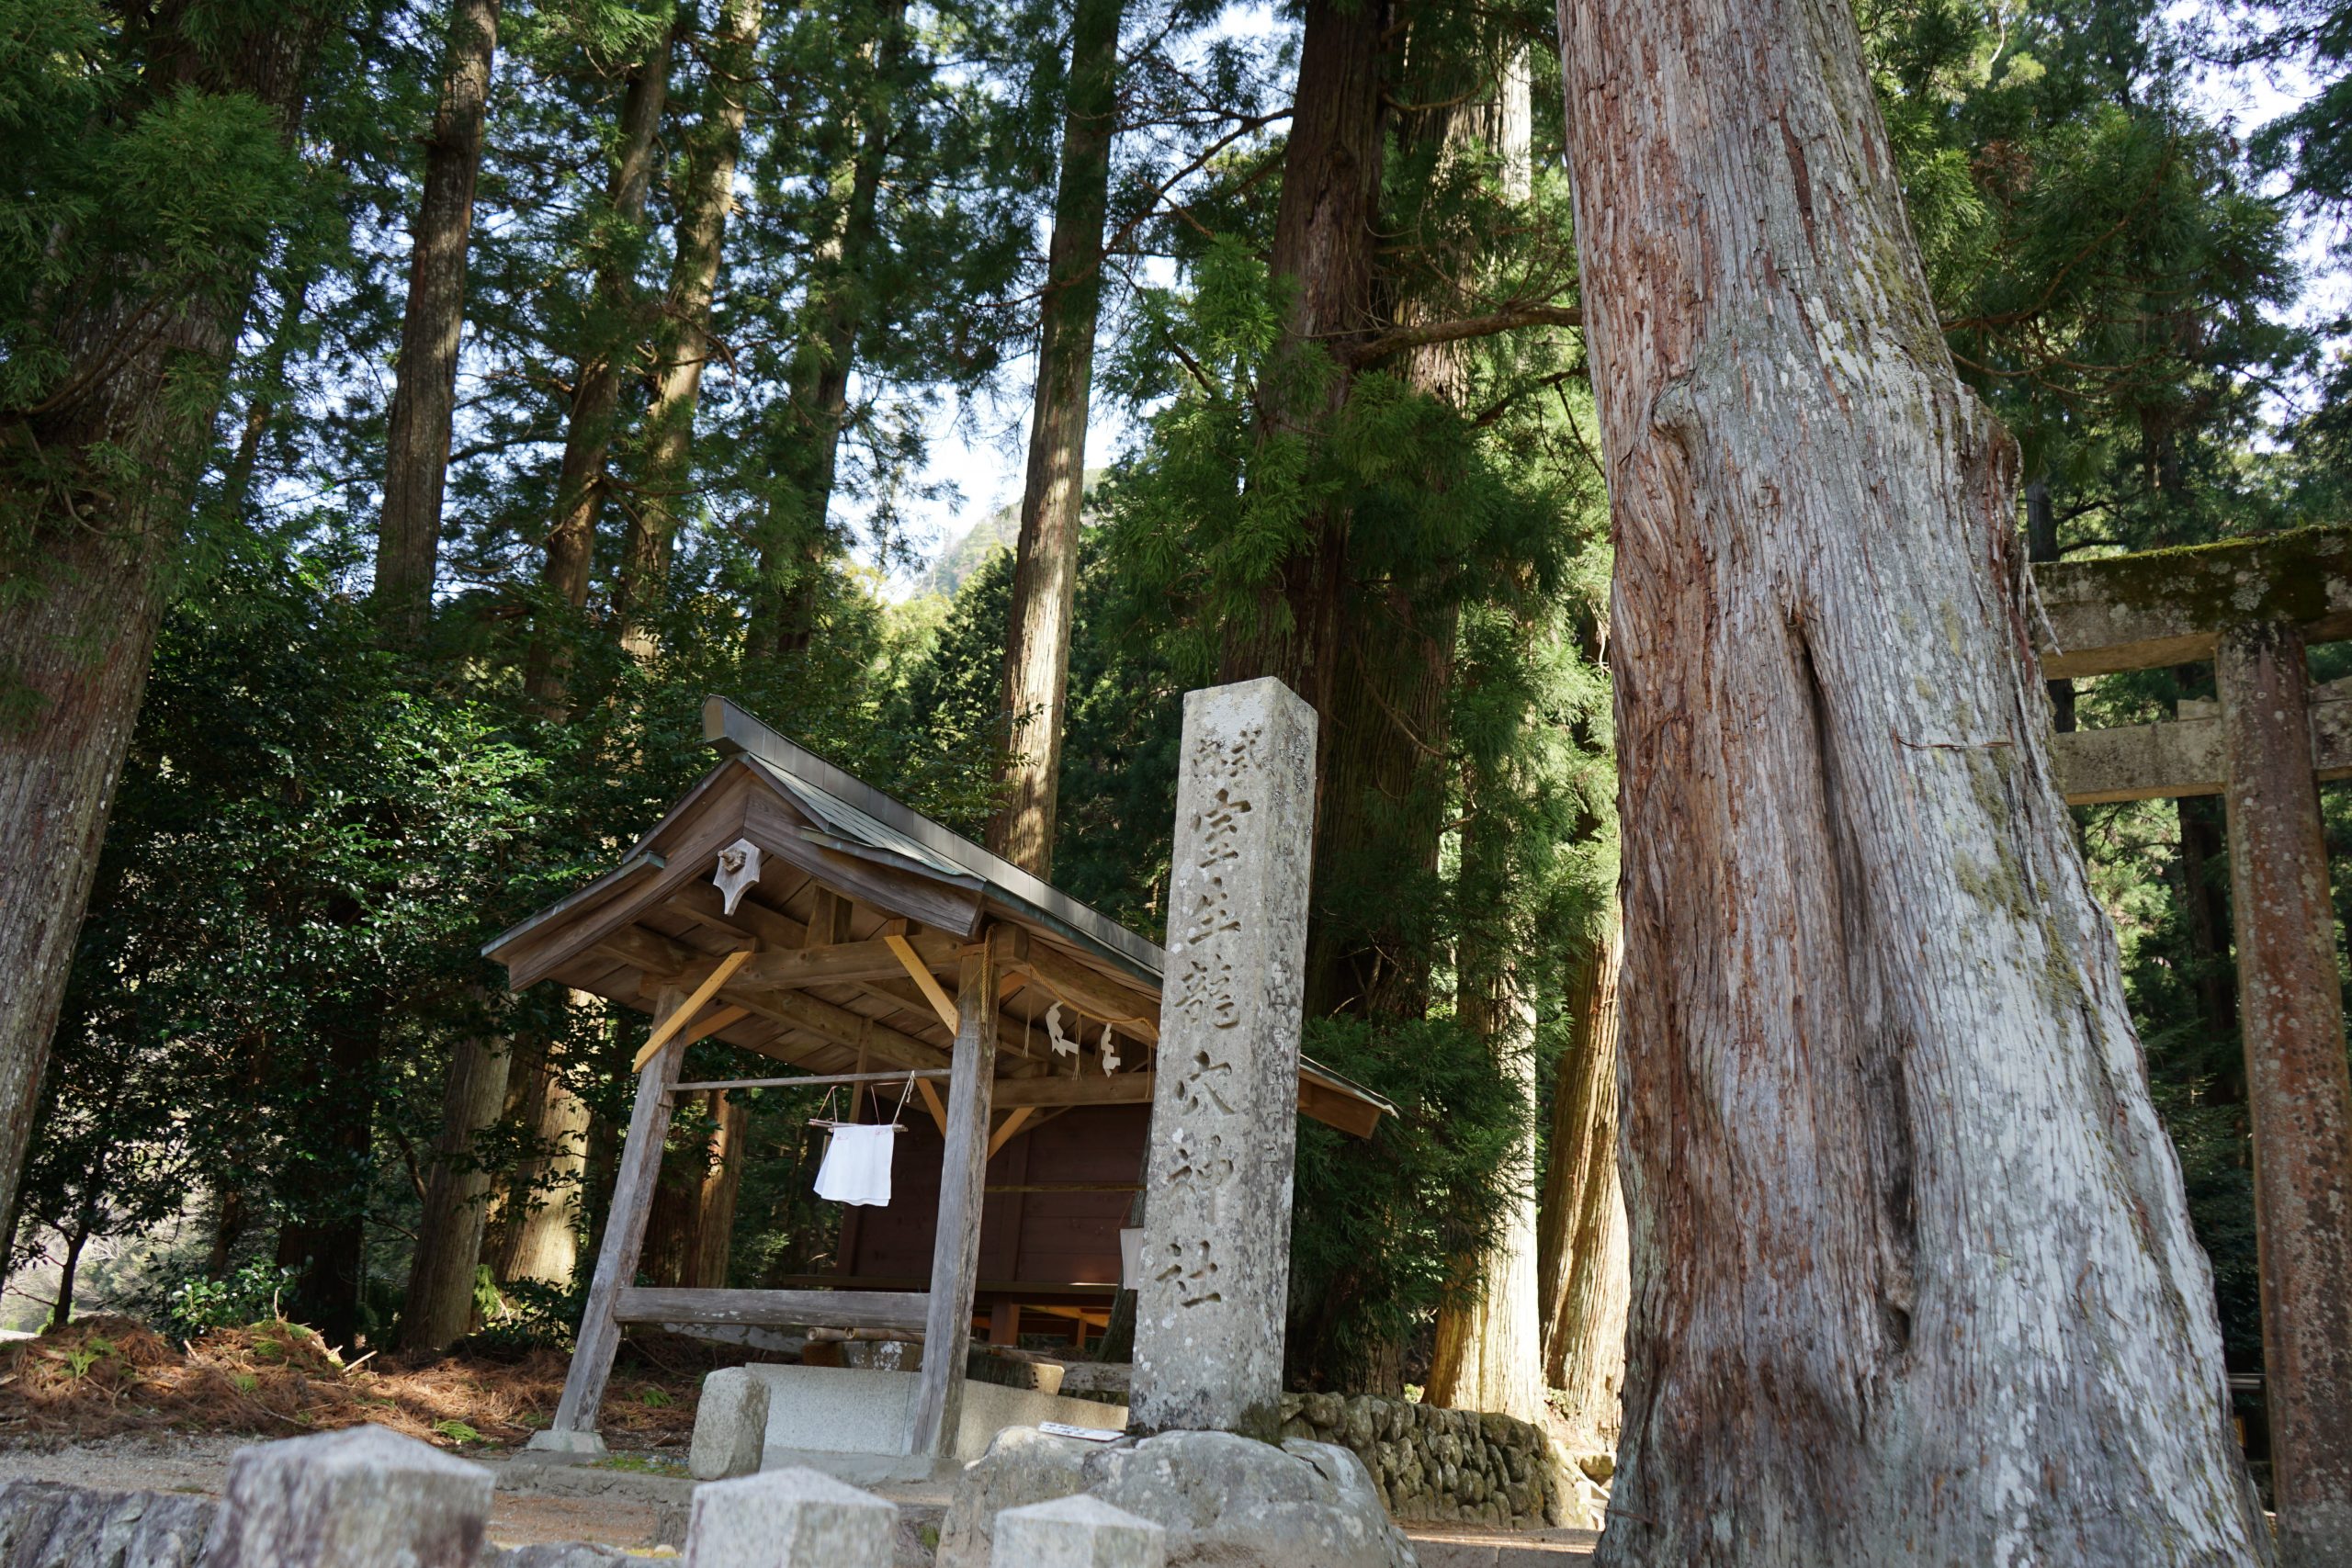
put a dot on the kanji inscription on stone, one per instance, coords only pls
(1215, 1266)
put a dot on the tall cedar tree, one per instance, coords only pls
(416, 442)
(1045, 576)
(1886, 1105)
(173, 169)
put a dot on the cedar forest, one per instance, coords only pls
(410, 410)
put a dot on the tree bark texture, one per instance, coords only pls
(616, 332)
(1045, 570)
(2299, 1093)
(792, 539)
(692, 1221)
(1913, 1273)
(1489, 1351)
(440, 1303)
(683, 344)
(1324, 240)
(539, 1235)
(416, 456)
(1580, 1254)
(99, 476)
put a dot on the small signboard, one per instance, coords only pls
(1084, 1434)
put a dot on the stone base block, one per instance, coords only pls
(731, 1424)
(789, 1518)
(1078, 1532)
(566, 1447)
(359, 1498)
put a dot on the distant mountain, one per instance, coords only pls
(959, 557)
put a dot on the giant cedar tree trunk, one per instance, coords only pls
(1044, 572)
(684, 342)
(690, 1225)
(99, 478)
(793, 540)
(416, 441)
(617, 333)
(1489, 1353)
(538, 1237)
(439, 1307)
(1580, 1254)
(1914, 1280)
(1324, 230)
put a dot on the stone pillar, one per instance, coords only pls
(2299, 1098)
(358, 1498)
(1077, 1532)
(788, 1518)
(1209, 1306)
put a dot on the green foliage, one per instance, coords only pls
(1375, 1224)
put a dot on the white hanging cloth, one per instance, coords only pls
(856, 1169)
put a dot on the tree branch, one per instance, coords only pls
(1396, 340)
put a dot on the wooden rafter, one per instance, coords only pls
(702, 993)
(941, 1002)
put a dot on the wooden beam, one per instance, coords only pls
(641, 1168)
(657, 956)
(1120, 1089)
(849, 963)
(931, 1103)
(678, 1020)
(1013, 1122)
(920, 973)
(709, 1026)
(902, 1310)
(813, 1081)
(840, 1026)
(1134, 1011)
(955, 1248)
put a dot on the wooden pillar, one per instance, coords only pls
(1004, 1323)
(574, 1428)
(963, 1168)
(2298, 1097)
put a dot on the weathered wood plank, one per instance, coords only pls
(956, 1251)
(842, 1027)
(904, 1310)
(689, 857)
(599, 1336)
(851, 962)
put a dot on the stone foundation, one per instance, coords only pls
(1434, 1466)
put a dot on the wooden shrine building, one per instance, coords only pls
(786, 908)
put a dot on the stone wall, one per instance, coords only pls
(1446, 1466)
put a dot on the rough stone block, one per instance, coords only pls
(49, 1525)
(1022, 1466)
(1077, 1532)
(730, 1426)
(363, 1498)
(788, 1518)
(1226, 1499)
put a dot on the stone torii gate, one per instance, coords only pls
(2252, 607)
